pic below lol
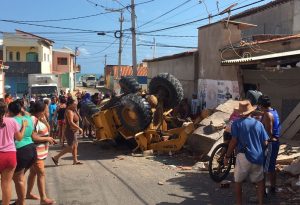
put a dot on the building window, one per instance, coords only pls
(18, 56)
(48, 58)
(10, 56)
(62, 61)
(32, 57)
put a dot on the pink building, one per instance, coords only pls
(63, 64)
(63, 61)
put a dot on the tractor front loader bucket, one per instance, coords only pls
(148, 140)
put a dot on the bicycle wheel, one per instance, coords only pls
(217, 170)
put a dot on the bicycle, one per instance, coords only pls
(216, 167)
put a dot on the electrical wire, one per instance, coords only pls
(167, 46)
(106, 47)
(185, 2)
(57, 27)
(145, 2)
(64, 19)
(95, 4)
(166, 35)
(199, 20)
(176, 14)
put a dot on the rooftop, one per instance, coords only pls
(261, 57)
(33, 35)
(174, 56)
(126, 70)
(64, 50)
(259, 8)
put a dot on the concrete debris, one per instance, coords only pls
(216, 119)
(295, 183)
(294, 168)
(120, 158)
(200, 142)
(185, 168)
(148, 153)
(160, 183)
(201, 166)
(288, 155)
(228, 106)
(298, 183)
(210, 130)
(287, 159)
(137, 155)
(172, 166)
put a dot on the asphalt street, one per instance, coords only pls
(111, 175)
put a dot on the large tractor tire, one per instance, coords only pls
(129, 85)
(168, 89)
(89, 108)
(253, 96)
(134, 113)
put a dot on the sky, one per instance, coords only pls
(151, 15)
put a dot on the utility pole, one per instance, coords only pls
(75, 70)
(121, 19)
(105, 60)
(134, 66)
(154, 47)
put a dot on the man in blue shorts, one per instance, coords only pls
(270, 120)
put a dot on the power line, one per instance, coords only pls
(95, 4)
(122, 5)
(63, 40)
(165, 13)
(202, 19)
(64, 19)
(57, 27)
(176, 14)
(145, 2)
(167, 46)
(106, 47)
(172, 36)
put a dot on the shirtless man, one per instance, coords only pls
(270, 120)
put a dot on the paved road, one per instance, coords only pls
(110, 175)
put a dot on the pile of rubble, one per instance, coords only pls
(210, 130)
(289, 159)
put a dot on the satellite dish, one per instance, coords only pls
(228, 9)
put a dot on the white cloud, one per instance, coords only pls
(84, 52)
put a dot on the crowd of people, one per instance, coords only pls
(27, 128)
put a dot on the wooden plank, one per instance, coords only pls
(290, 120)
(293, 129)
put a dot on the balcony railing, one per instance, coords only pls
(17, 68)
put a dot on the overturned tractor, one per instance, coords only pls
(144, 116)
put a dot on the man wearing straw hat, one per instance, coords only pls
(250, 139)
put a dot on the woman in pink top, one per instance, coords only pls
(9, 129)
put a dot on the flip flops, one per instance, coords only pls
(55, 161)
(78, 163)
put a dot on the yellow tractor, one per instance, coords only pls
(143, 116)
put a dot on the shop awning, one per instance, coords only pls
(258, 58)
